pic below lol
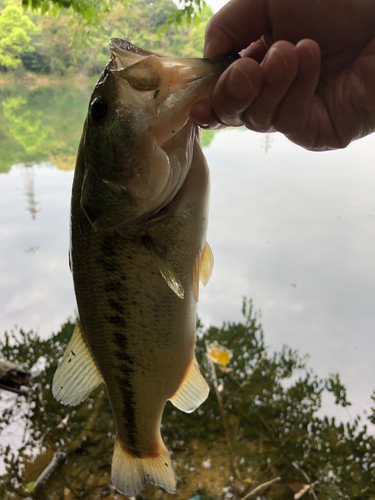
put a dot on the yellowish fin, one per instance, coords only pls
(207, 264)
(203, 265)
(193, 390)
(77, 374)
(165, 267)
(196, 272)
(130, 474)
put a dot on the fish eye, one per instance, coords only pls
(98, 108)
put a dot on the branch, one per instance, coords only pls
(12, 377)
(234, 472)
(256, 366)
(261, 487)
(58, 458)
(14, 389)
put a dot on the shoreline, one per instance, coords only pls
(33, 80)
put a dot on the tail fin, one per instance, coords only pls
(130, 474)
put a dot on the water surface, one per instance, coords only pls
(291, 229)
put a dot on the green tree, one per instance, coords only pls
(194, 47)
(89, 9)
(15, 30)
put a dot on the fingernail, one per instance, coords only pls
(239, 84)
(277, 66)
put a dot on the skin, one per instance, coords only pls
(307, 70)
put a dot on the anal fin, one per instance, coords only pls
(130, 474)
(77, 374)
(193, 390)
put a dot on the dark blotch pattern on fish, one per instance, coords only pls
(109, 266)
(116, 306)
(108, 247)
(113, 286)
(117, 320)
(125, 373)
(128, 413)
(121, 353)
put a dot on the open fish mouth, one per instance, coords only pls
(139, 142)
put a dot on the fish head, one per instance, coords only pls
(139, 139)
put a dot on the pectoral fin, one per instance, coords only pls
(165, 267)
(77, 374)
(193, 390)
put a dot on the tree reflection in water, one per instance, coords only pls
(42, 123)
(270, 403)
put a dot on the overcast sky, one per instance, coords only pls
(216, 4)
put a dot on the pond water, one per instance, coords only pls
(293, 230)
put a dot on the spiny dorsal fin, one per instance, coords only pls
(193, 390)
(130, 474)
(207, 264)
(77, 374)
(164, 267)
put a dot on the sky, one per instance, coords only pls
(216, 4)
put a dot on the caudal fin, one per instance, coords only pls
(130, 474)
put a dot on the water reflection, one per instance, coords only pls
(252, 431)
(27, 173)
(42, 123)
(293, 230)
(36, 288)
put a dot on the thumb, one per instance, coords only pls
(235, 26)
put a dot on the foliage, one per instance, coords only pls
(189, 11)
(15, 30)
(271, 402)
(89, 9)
(63, 43)
(41, 124)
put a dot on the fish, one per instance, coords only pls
(139, 211)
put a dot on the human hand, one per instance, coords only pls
(307, 70)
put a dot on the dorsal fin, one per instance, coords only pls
(77, 374)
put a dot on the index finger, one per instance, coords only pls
(235, 26)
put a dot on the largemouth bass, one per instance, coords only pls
(138, 251)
